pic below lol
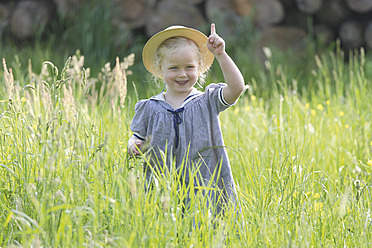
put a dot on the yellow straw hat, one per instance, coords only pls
(200, 39)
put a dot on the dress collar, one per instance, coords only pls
(193, 93)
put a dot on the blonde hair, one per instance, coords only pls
(172, 45)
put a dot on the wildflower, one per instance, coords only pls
(370, 143)
(341, 113)
(132, 185)
(236, 111)
(318, 206)
(253, 97)
(313, 113)
(347, 126)
(23, 99)
(267, 52)
(247, 108)
(328, 102)
(369, 162)
(310, 128)
(316, 196)
(320, 107)
(307, 105)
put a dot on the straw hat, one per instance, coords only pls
(149, 50)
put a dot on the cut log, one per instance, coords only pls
(4, 11)
(243, 7)
(66, 7)
(222, 13)
(309, 7)
(360, 6)
(30, 18)
(4, 16)
(132, 13)
(324, 35)
(297, 19)
(351, 34)
(281, 38)
(368, 35)
(170, 12)
(333, 13)
(194, 2)
(267, 12)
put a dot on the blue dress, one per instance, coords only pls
(191, 137)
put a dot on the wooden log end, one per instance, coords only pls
(29, 17)
(351, 34)
(163, 16)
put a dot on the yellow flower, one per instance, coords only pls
(318, 206)
(328, 102)
(341, 113)
(307, 105)
(236, 111)
(23, 99)
(253, 97)
(320, 107)
(369, 162)
(316, 196)
(371, 143)
(247, 108)
(347, 126)
(313, 112)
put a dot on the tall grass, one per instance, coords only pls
(302, 163)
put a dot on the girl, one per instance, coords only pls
(181, 125)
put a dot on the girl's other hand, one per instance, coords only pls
(215, 43)
(134, 146)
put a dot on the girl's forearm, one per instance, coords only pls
(233, 78)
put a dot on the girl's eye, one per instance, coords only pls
(173, 68)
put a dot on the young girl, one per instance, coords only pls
(181, 125)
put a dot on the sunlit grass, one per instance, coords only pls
(302, 163)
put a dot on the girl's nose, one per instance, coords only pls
(182, 73)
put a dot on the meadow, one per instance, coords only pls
(300, 148)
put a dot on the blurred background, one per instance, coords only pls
(101, 30)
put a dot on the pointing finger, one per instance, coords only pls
(213, 28)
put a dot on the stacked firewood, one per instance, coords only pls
(284, 23)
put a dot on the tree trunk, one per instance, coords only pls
(360, 6)
(30, 18)
(170, 12)
(309, 7)
(351, 34)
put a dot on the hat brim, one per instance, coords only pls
(149, 50)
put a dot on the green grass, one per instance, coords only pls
(302, 162)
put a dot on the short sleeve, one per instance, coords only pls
(215, 97)
(140, 120)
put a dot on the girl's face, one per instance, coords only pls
(180, 71)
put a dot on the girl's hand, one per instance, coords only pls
(215, 43)
(134, 146)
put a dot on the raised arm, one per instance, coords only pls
(231, 73)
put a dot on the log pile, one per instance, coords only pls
(284, 23)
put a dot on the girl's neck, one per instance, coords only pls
(175, 100)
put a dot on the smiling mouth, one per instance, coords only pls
(182, 82)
